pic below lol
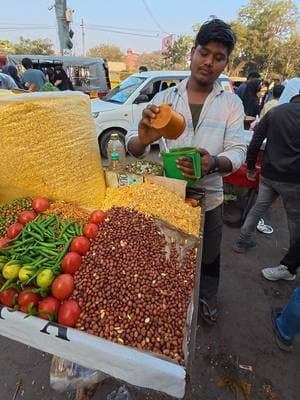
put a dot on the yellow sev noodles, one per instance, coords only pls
(155, 200)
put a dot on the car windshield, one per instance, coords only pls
(121, 92)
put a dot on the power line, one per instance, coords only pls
(104, 28)
(153, 17)
(87, 27)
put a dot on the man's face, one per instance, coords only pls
(208, 62)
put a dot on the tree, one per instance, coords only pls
(36, 46)
(179, 54)
(264, 29)
(153, 61)
(109, 52)
(6, 47)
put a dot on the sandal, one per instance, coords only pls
(86, 393)
(209, 311)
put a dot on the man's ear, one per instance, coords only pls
(192, 52)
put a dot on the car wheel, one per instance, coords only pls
(103, 140)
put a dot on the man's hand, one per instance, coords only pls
(147, 134)
(185, 164)
(251, 175)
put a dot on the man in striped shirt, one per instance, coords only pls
(214, 125)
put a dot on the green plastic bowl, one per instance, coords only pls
(170, 167)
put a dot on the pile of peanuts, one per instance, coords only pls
(131, 290)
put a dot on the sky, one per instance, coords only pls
(149, 20)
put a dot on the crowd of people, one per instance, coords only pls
(34, 79)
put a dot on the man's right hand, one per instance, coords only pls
(147, 134)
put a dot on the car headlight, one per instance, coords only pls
(95, 114)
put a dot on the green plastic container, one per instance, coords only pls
(170, 167)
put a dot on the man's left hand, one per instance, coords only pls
(185, 164)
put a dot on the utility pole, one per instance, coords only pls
(82, 37)
(63, 19)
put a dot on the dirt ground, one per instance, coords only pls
(235, 360)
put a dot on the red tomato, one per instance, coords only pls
(191, 202)
(71, 262)
(4, 242)
(26, 216)
(14, 230)
(27, 299)
(48, 307)
(62, 286)
(97, 217)
(90, 230)
(80, 244)
(40, 204)
(8, 297)
(68, 313)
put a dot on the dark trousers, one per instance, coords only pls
(292, 258)
(290, 194)
(210, 267)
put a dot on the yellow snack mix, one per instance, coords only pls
(155, 200)
(49, 148)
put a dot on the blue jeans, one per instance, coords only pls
(290, 194)
(288, 323)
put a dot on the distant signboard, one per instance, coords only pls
(167, 42)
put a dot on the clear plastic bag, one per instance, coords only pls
(121, 394)
(66, 375)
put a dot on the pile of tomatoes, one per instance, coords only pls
(53, 303)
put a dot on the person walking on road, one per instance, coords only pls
(251, 99)
(286, 322)
(214, 125)
(280, 176)
(241, 89)
(277, 91)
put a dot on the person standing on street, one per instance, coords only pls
(280, 176)
(241, 89)
(277, 91)
(286, 322)
(214, 125)
(32, 76)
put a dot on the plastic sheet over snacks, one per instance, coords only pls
(49, 147)
(136, 367)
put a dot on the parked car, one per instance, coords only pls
(116, 112)
(87, 74)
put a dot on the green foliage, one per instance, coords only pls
(179, 54)
(267, 38)
(36, 46)
(6, 47)
(154, 60)
(107, 51)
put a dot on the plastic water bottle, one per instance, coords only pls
(114, 162)
(115, 145)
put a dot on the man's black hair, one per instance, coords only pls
(216, 30)
(27, 63)
(143, 68)
(277, 90)
(253, 75)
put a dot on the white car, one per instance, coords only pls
(117, 111)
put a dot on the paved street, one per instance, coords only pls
(242, 337)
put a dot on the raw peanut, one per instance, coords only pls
(135, 293)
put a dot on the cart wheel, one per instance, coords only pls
(104, 137)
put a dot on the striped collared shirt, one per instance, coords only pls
(220, 131)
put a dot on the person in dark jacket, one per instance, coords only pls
(280, 176)
(11, 70)
(61, 79)
(250, 98)
(241, 89)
